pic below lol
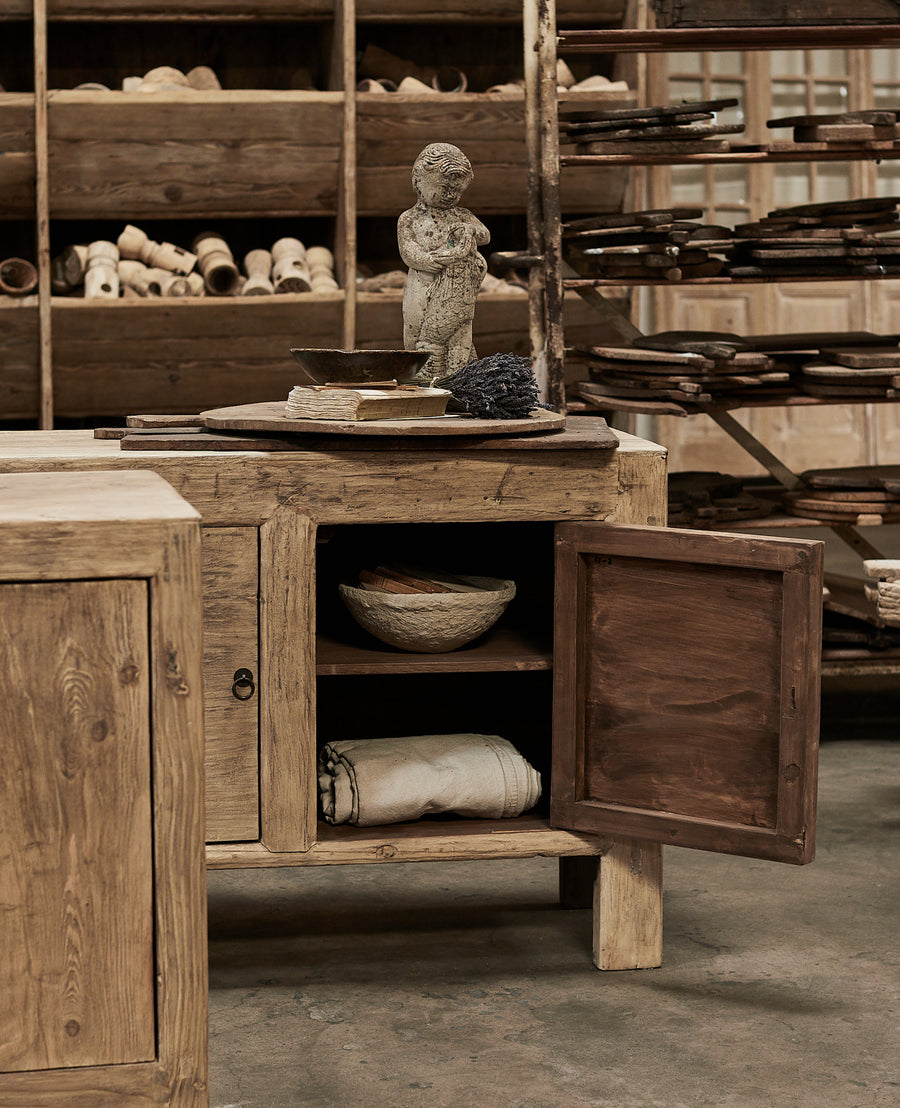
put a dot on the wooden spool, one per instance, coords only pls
(216, 262)
(258, 267)
(17, 277)
(290, 268)
(134, 243)
(101, 276)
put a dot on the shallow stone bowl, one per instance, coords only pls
(360, 366)
(434, 622)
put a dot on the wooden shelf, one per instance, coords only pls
(799, 152)
(846, 37)
(422, 841)
(501, 650)
(422, 11)
(612, 282)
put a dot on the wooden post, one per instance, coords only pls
(537, 324)
(346, 241)
(42, 214)
(287, 688)
(550, 204)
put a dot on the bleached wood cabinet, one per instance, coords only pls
(103, 928)
(608, 670)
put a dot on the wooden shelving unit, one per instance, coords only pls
(323, 165)
(569, 42)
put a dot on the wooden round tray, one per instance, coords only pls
(270, 417)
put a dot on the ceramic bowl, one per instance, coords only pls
(430, 623)
(360, 366)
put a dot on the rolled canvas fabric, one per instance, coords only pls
(373, 781)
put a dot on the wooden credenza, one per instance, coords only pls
(103, 977)
(657, 712)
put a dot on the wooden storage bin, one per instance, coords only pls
(104, 978)
(231, 153)
(184, 355)
(19, 342)
(17, 162)
(490, 127)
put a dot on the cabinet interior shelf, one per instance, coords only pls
(423, 840)
(502, 649)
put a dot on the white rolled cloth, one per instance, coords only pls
(373, 781)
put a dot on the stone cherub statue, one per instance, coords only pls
(439, 243)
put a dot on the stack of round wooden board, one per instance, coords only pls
(269, 416)
(843, 495)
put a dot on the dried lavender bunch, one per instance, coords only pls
(500, 386)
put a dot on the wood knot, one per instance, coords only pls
(72, 1028)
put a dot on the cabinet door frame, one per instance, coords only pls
(781, 760)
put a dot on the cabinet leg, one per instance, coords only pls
(577, 877)
(628, 906)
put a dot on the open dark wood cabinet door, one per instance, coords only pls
(686, 688)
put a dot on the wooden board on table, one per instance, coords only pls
(653, 112)
(873, 116)
(650, 217)
(848, 375)
(642, 147)
(588, 432)
(852, 477)
(270, 416)
(868, 357)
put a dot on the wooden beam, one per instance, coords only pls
(42, 214)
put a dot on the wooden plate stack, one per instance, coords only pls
(689, 127)
(701, 499)
(693, 368)
(658, 244)
(867, 130)
(846, 238)
(856, 495)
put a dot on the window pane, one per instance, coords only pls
(830, 63)
(720, 90)
(787, 63)
(689, 186)
(731, 184)
(834, 181)
(831, 98)
(685, 90)
(887, 183)
(791, 185)
(885, 65)
(886, 98)
(788, 99)
(727, 62)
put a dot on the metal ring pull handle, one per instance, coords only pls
(243, 687)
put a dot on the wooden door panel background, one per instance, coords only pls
(771, 84)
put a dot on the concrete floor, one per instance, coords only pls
(453, 984)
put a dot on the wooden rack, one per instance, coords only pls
(334, 157)
(560, 278)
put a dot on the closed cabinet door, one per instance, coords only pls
(76, 837)
(686, 700)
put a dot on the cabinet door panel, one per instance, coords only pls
(686, 688)
(230, 642)
(76, 883)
